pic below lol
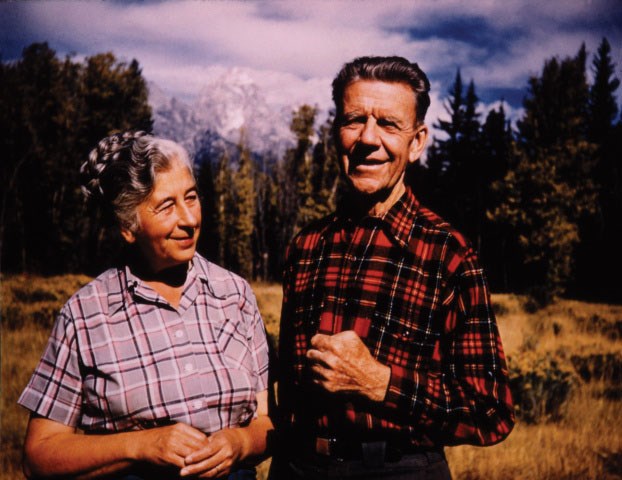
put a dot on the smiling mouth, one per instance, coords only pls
(367, 163)
(185, 241)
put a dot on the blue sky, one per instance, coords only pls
(294, 48)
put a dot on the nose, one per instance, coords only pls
(189, 215)
(369, 135)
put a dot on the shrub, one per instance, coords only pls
(541, 386)
(599, 366)
(33, 299)
(609, 327)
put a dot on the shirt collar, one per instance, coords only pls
(217, 280)
(397, 221)
(127, 284)
(400, 218)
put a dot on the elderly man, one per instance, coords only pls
(389, 349)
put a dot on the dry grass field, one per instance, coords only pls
(565, 360)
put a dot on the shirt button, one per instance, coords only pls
(197, 404)
(179, 333)
(188, 367)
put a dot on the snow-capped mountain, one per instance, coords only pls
(173, 118)
(227, 107)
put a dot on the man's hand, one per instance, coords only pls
(342, 363)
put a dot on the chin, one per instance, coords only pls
(182, 258)
(364, 187)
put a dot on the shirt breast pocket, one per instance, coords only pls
(403, 341)
(233, 344)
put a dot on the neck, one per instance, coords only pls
(172, 276)
(375, 205)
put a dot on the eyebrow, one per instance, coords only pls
(193, 188)
(388, 118)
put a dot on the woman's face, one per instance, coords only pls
(169, 220)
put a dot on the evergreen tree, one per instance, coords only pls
(470, 179)
(302, 165)
(325, 177)
(602, 102)
(600, 232)
(40, 182)
(242, 218)
(13, 143)
(446, 150)
(263, 231)
(222, 210)
(53, 123)
(547, 190)
(208, 240)
(498, 243)
(293, 179)
(455, 163)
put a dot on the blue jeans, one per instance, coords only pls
(410, 467)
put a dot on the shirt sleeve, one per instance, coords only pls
(55, 388)
(464, 397)
(287, 394)
(258, 343)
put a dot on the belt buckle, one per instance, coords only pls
(325, 446)
(374, 453)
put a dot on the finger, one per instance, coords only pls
(189, 431)
(321, 341)
(347, 336)
(318, 372)
(187, 446)
(209, 467)
(327, 360)
(203, 470)
(205, 452)
(315, 355)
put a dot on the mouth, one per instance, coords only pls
(366, 164)
(184, 242)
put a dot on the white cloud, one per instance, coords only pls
(301, 45)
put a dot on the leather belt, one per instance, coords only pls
(373, 453)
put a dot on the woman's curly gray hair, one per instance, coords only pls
(120, 172)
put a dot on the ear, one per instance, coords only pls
(128, 235)
(418, 143)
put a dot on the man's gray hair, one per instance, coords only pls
(384, 69)
(120, 172)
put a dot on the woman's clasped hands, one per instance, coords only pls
(195, 453)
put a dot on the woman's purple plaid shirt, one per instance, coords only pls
(121, 358)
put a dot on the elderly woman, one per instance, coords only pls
(158, 368)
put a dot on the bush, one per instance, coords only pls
(541, 386)
(609, 327)
(599, 366)
(32, 299)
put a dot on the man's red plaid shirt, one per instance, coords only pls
(410, 286)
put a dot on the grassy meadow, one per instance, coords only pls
(565, 362)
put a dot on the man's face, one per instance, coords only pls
(377, 135)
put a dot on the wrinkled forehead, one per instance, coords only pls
(379, 98)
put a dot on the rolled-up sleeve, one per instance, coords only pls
(55, 388)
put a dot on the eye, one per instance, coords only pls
(353, 120)
(387, 124)
(166, 206)
(192, 197)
